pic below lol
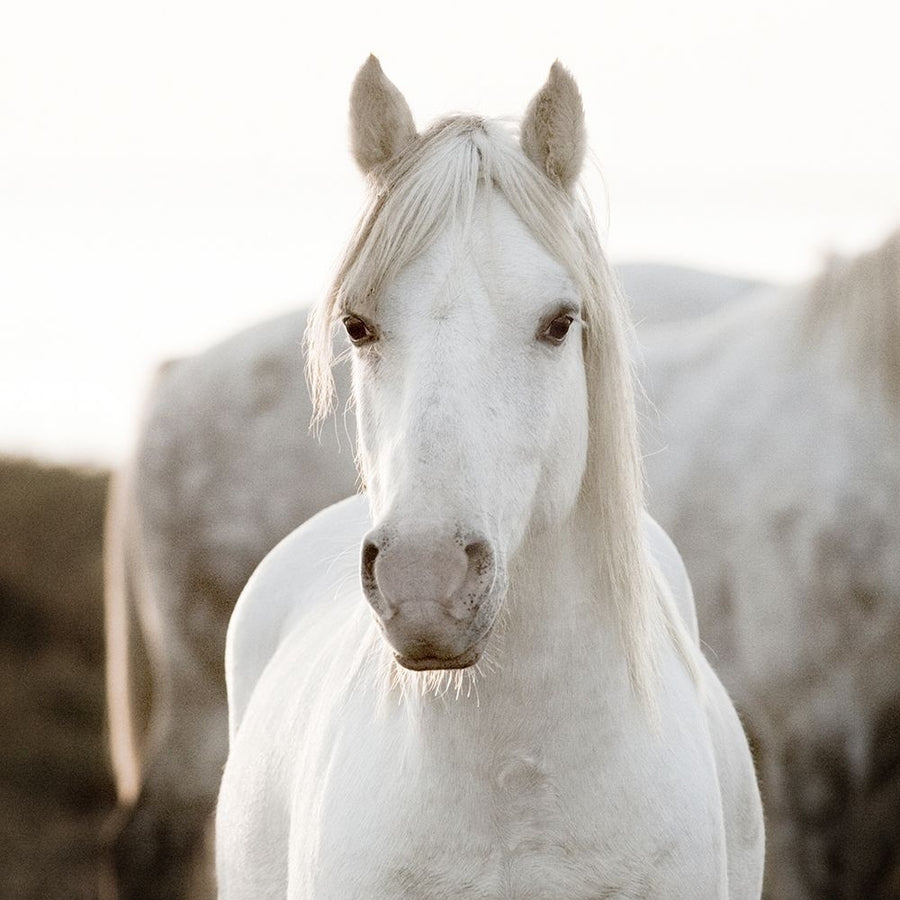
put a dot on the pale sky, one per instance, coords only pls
(171, 172)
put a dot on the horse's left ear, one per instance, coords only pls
(381, 124)
(553, 133)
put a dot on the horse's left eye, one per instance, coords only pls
(557, 329)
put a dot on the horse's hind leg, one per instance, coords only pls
(161, 842)
(157, 837)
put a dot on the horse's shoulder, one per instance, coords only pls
(734, 765)
(672, 568)
(286, 584)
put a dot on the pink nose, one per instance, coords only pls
(428, 592)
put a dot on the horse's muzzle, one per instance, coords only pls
(433, 594)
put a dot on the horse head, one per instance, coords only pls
(468, 365)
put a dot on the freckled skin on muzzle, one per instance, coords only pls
(435, 597)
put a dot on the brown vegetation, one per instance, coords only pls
(55, 786)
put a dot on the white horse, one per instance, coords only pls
(502, 699)
(224, 467)
(774, 459)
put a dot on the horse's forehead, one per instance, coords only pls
(499, 238)
(491, 258)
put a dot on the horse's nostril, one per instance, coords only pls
(369, 553)
(479, 554)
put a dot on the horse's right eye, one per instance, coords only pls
(358, 330)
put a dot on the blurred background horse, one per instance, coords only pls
(224, 467)
(773, 423)
(773, 459)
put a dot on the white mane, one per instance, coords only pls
(860, 299)
(434, 181)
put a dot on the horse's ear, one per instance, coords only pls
(553, 133)
(381, 124)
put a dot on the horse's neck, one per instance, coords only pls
(554, 610)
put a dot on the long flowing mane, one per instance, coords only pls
(434, 181)
(860, 299)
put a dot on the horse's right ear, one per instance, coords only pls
(381, 124)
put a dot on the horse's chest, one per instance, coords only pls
(519, 843)
(516, 828)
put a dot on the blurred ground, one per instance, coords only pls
(55, 785)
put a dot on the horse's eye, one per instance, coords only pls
(359, 331)
(557, 329)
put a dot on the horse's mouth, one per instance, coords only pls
(431, 663)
